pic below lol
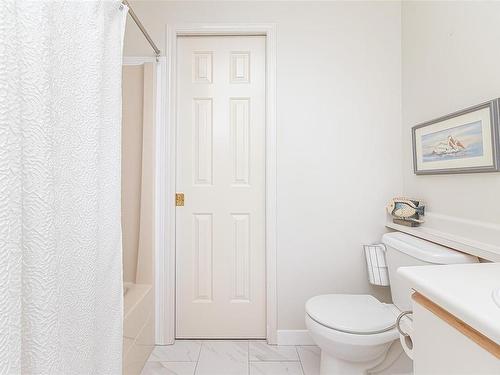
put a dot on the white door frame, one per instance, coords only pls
(166, 175)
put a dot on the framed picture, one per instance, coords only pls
(462, 142)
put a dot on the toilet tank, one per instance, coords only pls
(405, 250)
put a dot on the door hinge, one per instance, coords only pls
(179, 199)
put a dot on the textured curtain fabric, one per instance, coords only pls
(60, 237)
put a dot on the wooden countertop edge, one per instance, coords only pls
(474, 335)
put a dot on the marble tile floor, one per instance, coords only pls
(232, 357)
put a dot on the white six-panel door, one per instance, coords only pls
(220, 230)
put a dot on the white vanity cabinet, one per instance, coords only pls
(456, 320)
(443, 344)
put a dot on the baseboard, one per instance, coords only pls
(294, 337)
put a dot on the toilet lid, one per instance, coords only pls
(351, 313)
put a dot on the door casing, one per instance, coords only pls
(166, 174)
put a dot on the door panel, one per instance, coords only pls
(220, 231)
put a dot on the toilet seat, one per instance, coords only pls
(359, 314)
(351, 320)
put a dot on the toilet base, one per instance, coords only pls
(391, 362)
(334, 366)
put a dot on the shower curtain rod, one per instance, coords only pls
(141, 27)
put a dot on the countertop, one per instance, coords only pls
(464, 290)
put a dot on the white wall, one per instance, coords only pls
(450, 61)
(339, 132)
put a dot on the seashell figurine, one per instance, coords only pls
(406, 211)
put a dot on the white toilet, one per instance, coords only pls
(357, 333)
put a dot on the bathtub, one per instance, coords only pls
(138, 326)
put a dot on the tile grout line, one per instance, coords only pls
(300, 360)
(248, 357)
(198, 359)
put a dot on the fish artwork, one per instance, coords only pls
(406, 211)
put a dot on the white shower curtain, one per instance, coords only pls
(60, 236)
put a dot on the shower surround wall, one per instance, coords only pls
(138, 215)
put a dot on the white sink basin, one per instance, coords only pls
(496, 296)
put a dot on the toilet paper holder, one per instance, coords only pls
(378, 273)
(398, 322)
(405, 338)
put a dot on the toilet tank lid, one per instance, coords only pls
(425, 250)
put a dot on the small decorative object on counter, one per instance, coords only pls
(406, 211)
